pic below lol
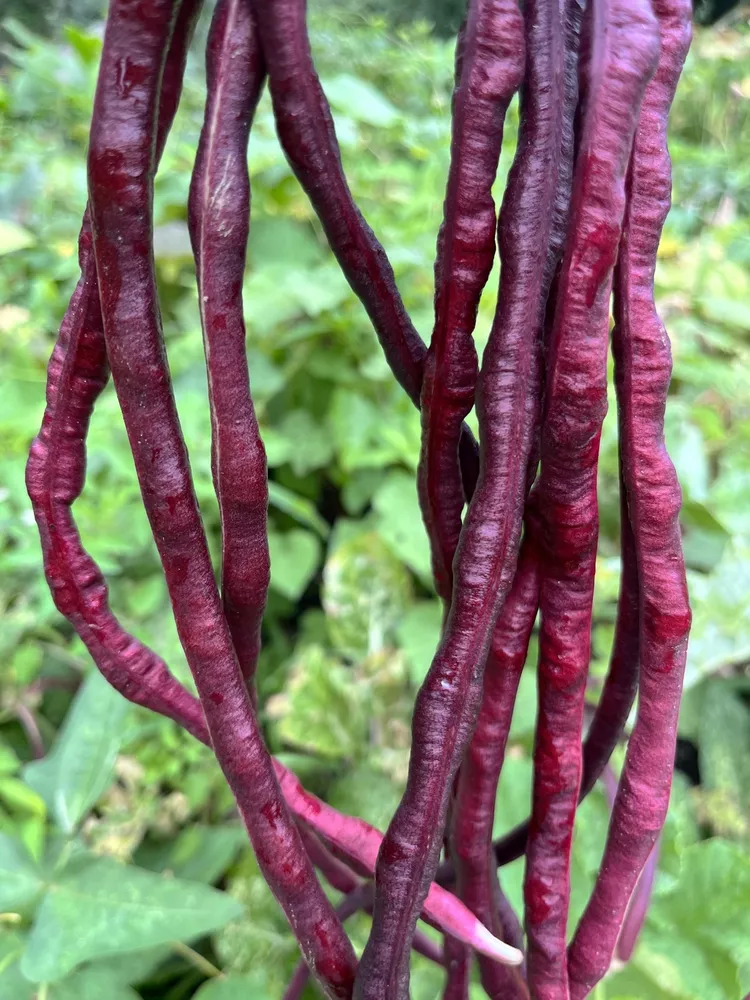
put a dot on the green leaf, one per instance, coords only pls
(724, 755)
(705, 538)
(399, 523)
(199, 853)
(9, 762)
(711, 902)
(19, 798)
(366, 792)
(721, 614)
(365, 592)
(523, 723)
(14, 237)
(301, 509)
(295, 556)
(94, 983)
(311, 445)
(262, 940)
(283, 241)
(20, 879)
(322, 708)
(104, 908)
(254, 985)
(87, 46)
(13, 985)
(79, 768)
(360, 100)
(419, 633)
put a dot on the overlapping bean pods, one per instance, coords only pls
(511, 519)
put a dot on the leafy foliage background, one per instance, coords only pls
(110, 846)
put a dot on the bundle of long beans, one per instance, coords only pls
(512, 519)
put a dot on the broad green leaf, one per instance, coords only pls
(311, 445)
(724, 755)
(371, 436)
(284, 241)
(20, 879)
(9, 763)
(523, 723)
(261, 940)
(104, 908)
(419, 633)
(366, 792)
(79, 768)
(199, 853)
(296, 506)
(93, 983)
(87, 46)
(14, 237)
(13, 985)
(233, 987)
(360, 100)
(705, 538)
(711, 901)
(295, 556)
(365, 592)
(399, 523)
(322, 709)
(19, 798)
(721, 614)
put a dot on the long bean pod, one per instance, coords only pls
(56, 469)
(643, 369)
(529, 250)
(121, 168)
(623, 51)
(219, 222)
(489, 71)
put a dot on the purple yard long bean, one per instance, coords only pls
(623, 49)
(219, 221)
(56, 469)
(466, 249)
(511, 519)
(528, 250)
(121, 166)
(643, 369)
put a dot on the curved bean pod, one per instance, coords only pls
(56, 468)
(121, 167)
(219, 223)
(531, 226)
(643, 370)
(489, 68)
(623, 52)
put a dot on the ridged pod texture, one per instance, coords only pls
(121, 167)
(529, 253)
(56, 468)
(622, 58)
(489, 68)
(643, 369)
(308, 137)
(219, 222)
(446, 705)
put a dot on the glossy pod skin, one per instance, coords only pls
(643, 369)
(487, 76)
(446, 705)
(56, 469)
(530, 236)
(219, 223)
(121, 167)
(622, 55)
(578, 194)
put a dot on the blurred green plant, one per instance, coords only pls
(122, 797)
